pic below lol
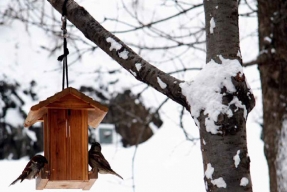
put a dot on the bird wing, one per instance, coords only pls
(101, 160)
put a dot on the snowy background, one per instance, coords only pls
(166, 162)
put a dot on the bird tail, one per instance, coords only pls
(21, 177)
(113, 172)
(16, 180)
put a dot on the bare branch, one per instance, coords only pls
(158, 21)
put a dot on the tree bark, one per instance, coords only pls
(272, 21)
(217, 149)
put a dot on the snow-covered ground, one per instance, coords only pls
(167, 162)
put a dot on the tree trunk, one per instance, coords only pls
(272, 21)
(219, 150)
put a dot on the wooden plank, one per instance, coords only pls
(57, 136)
(41, 183)
(66, 184)
(33, 117)
(70, 102)
(69, 91)
(46, 141)
(69, 164)
(79, 144)
(95, 117)
(89, 184)
(93, 176)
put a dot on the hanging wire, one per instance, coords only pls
(66, 50)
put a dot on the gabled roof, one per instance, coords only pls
(69, 98)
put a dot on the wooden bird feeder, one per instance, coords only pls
(66, 117)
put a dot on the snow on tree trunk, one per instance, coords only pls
(273, 69)
(221, 102)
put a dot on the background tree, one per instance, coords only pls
(272, 64)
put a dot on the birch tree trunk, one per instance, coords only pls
(224, 150)
(272, 21)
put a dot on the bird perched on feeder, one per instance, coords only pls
(98, 162)
(32, 168)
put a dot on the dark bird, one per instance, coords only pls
(98, 162)
(32, 168)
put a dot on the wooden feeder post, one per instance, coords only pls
(66, 117)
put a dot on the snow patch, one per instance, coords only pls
(14, 117)
(244, 181)
(203, 94)
(239, 54)
(138, 66)
(239, 104)
(236, 159)
(219, 182)
(161, 83)
(31, 134)
(209, 171)
(133, 73)
(267, 39)
(124, 54)
(212, 25)
(203, 141)
(114, 45)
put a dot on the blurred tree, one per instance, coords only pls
(272, 64)
(15, 142)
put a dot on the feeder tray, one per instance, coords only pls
(66, 117)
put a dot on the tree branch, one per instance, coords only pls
(144, 71)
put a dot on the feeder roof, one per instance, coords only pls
(69, 98)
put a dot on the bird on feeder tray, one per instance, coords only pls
(32, 168)
(98, 162)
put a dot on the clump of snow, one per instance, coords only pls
(124, 54)
(114, 45)
(209, 171)
(236, 159)
(212, 25)
(210, 126)
(244, 181)
(203, 94)
(161, 83)
(267, 39)
(138, 66)
(239, 54)
(239, 104)
(219, 182)
(203, 141)
(216, 7)
(273, 50)
(133, 73)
